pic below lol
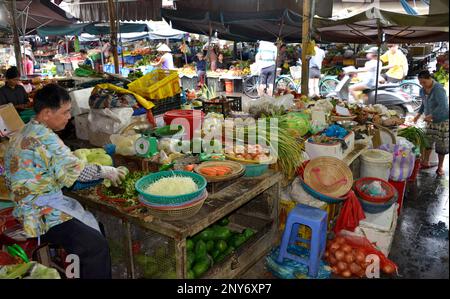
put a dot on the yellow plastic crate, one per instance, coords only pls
(157, 85)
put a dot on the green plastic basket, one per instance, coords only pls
(143, 183)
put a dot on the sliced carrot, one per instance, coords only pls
(189, 167)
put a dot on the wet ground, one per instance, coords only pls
(420, 247)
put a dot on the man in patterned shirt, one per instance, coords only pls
(38, 165)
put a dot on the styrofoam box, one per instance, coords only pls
(82, 126)
(80, 101)
(315, 150)
(379, 229)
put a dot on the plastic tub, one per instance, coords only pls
(253, 170)
(179, 117)
(376, 163)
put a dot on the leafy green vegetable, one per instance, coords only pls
(129, 191)
(416, 136)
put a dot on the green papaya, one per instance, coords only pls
(189, 245)
(221, 233)
(190, 259)
(239, 240)
(209, 245)
(190, 274)
(215, 253)
(200, 249)
(221, 245)
(224, 222)
(200, 267)
(207, 234)
(248, 232)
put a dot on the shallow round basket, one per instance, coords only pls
(328, 175)
(143, 183)
(237, 170)
(376, 199)
(270, 160)
(178, 213)
(342, 118)
(375, 207)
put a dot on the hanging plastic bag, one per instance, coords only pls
(402, 163)
(351, 214)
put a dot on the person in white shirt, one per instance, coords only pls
(370, 68)
(166, 60)
(266, 60)
(315, 67)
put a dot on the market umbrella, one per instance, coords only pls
(90, 28)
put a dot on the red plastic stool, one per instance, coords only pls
(401, 189)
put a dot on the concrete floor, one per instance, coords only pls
(420, 247)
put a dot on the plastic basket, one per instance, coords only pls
(390, 191)
(165, 105)
(143, 183)
(157, 85)
(375, 207)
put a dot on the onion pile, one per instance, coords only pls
(347, 261)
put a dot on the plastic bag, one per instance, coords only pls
(125, 143)
(109, 121)
(351, 214)
(362, 245)
(402, 163)
(374, 189)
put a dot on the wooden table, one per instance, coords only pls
(248, 202)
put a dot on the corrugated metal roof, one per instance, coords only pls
(128, 10)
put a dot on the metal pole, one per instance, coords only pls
(101, 53)
(112, 23)
(120, 32)
(16, 41)
(305, 43)
(380, 41)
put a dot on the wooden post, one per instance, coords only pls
(16, 41)
(305, 43)
(112, 23)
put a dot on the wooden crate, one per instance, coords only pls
(148, 247)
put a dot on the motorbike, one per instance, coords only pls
(390, 95)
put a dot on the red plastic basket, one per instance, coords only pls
(390, 192)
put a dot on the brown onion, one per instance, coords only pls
(333, 260)
(333, 247)
(342, 266)
(388, 269)
(360, 257)
(326, 254)
(340, 255)
(349, 258)
(346, 273)
(355, 268)
(361, 273)
(339, 240)
(346, 248)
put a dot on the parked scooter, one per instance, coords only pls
(389, 95)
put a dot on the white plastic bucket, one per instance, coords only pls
(376, 163)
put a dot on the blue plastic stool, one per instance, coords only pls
(316, 219)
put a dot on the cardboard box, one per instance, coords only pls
(10, 121)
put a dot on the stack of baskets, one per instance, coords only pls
(375, 204)
(172, 207)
